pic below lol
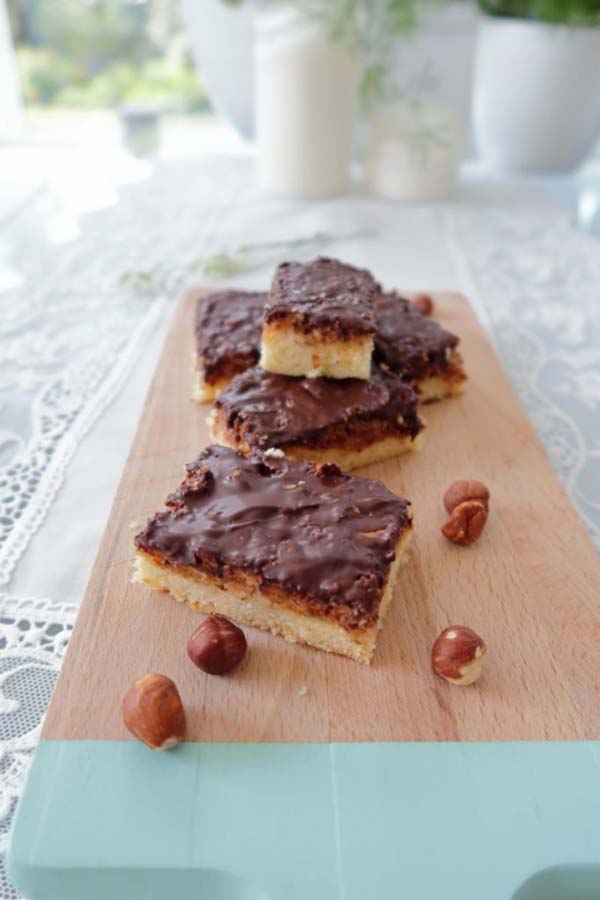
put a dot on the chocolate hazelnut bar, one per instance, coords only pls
(319, 320)
(227, 330)
(351, 422)
(417, 348)
(303, 551)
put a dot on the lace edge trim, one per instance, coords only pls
(29, 524)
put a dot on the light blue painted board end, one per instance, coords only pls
(310, 822)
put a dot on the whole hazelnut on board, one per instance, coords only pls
(153, 712)
(424, 304)
(217, 646)
(466, 522)
(460, 491)
(458, 655)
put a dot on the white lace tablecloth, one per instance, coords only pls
(78, 345)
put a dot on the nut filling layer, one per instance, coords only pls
(311, 535)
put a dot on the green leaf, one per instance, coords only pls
(565, 12)
(222, 265)
(371, 87)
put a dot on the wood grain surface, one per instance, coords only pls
(530, 587)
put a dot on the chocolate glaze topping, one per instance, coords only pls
(307, 530)
(324, 294)
(406, 340)
(269, 410)
(228, 326)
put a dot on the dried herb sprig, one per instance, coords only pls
(228, 263)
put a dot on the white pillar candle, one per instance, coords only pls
(305, 99)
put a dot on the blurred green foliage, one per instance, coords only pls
(101, 53)
(376, 27)
(566, 12)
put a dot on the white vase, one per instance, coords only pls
(537, 94)
(306, 90)
(221, 41)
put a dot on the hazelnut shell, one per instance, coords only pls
(153, 712)
(217, 646)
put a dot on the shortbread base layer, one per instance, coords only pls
(243, 602)
(450, 383)
(204, 391)
(346, 458)
(438, 388)
(289, 351)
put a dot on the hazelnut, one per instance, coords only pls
(466, 522)
(424, 304)
(327, 472)
(460, 491)
(458, 655)
(153, 712)
(217, 646)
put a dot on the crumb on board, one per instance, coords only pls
(302, 691)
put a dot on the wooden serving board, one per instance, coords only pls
(311, 776)
(530, 587)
